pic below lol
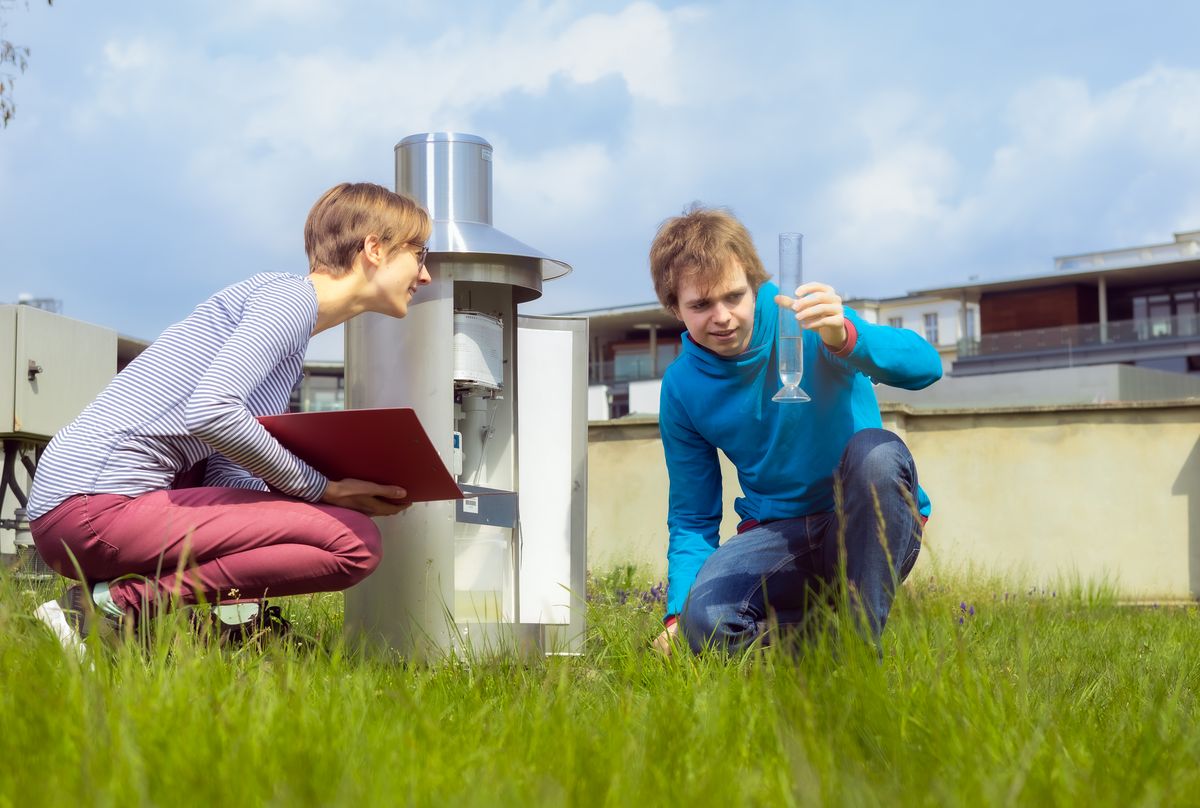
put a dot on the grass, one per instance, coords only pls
(983, 696)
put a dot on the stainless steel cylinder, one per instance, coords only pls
(449, 173)
(409, 603)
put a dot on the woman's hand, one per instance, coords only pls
(369, 498)
(817, 306)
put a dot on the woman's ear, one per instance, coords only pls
(373, 250)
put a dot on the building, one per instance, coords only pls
(1136, 306)
(944, 322)
(629, 349)
(322, 388)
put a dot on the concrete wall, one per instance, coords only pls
(1108, 491)
(627, 495)
(1089, 384)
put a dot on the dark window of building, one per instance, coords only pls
(631, 362)
(618, 402)
(1187, 306)
(1165, 314)
(317, 393)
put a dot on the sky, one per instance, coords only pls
(162, 151)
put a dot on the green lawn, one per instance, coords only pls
(1034, 697)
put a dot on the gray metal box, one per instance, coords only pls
(76, 361)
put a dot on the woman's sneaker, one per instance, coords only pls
(238, 624)
(73, 617)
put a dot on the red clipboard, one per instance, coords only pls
(387, 446)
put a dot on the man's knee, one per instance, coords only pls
(715, 625)
(876, 456)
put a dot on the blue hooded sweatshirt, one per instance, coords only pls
(785, 454)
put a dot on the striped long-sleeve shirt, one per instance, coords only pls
(193, 395)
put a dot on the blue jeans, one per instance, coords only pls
(771, 574)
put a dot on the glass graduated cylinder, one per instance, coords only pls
(791, 358)
(790, 343)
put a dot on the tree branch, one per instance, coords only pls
(15, 58)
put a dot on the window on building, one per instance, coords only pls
(618, 402)
(667, 351)
(324, 393)
(1187, 307)
(896, 322)
(630, 364)
(931, 328)
(1152, 316)
(631, 361)
(969, 332)
(317, 393)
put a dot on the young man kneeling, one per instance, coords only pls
(789, 457)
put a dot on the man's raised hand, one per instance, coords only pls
(817, 305)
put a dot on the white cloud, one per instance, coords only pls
(1069, 170)
(1075, 155)
(129, 81)
(637, 43)
(780, 114)
(570, 184)
(906, 188)
(254, 131)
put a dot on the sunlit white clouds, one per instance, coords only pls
(905, 188)
(255, 131)
(1084, 165)
(197, 135)
(576, 183)
(1069, 170)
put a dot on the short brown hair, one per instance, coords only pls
(346, 214)
(698, 245)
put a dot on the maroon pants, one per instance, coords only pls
(210, 544)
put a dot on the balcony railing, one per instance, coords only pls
(628, 369)
(1117, 332)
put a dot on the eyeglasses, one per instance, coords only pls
(422, 252)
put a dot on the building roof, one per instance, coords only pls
(627, 318)
(1154, 263)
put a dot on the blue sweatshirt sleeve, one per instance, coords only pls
(694, 503)
(896, 357)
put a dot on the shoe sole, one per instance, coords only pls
(52, 614)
